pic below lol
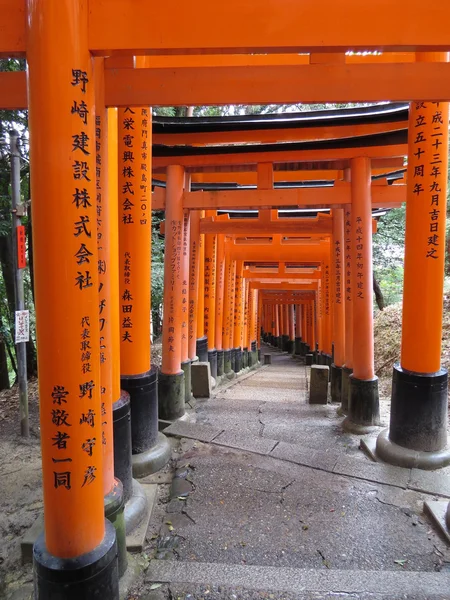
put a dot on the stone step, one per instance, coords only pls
(434, 483)
(393, 584)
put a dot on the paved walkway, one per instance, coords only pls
(272, 500)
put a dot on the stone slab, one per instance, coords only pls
(307, 457)
(27, 542)
(368, 445)
(196, 431)
(398, 584)
(436, 510)
(242, 441)
(201, 380)
(430, 482)
(136, 539)
(318, 384)
(375, 472)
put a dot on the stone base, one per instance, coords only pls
(298, 346)
(364, 405)
(345, 394)
(136, 537)
(220, 363)
(336, 384)
(397, 455)
(212, 359)
(143, 390)
(309, 360)
(202, 349)
(114, 512)
(419, 410)
(171, 396)
(245, 358)
(227, 362)
(350, 427)
(290, 346)
(201, 380)
(284, 342)
(318, 386)
(92, 575)
(153, 459)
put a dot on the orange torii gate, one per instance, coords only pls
(77, 556)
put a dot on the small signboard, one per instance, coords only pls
(22, 326)
(21, 247)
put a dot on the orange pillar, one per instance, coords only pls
(171, 379)
(348, 362)
(138, 377)
(338, 302)
(210, 295)
(326, 311)
(202, 343)
(60, 84)
(185, 293)
(238, 316)
(318, 325)
(245, 322)
(364, 409)
(220, 288)
(194, 282)
(227, 328)
(291, 345)
(419, 413)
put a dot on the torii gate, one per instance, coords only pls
(59, 40)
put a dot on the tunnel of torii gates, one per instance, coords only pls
(268, 229)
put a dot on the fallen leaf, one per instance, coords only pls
(155, 586)
(401, 561)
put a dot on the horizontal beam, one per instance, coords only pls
(276, 277)
(234, 27)
(298, 198)
(261, 285)
(277, 85)
(318, 226)
(267, 26)
(300, 253)
(199, 86)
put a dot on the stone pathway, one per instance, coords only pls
(272, 500)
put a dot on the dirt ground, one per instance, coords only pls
(20, 486)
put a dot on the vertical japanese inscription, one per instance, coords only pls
(428, 167)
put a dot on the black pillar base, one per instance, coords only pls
(419, 410)
(186, 368)
(238, 360)
(143, 390)
(220, 363)
(114, 512)
(306, 349)
(90, 576)
(233, 359)
(298, 346)
(122, 443)
(245, 358)
(279, 343)
(212, 359)
(290, 346)
(227, 361)
(259, 354)
(202, 349)
(284, 342)
(171, 396)
(336, 384)
(364, 406)
(309, 360)
(417, 435)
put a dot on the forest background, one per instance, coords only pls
(388, 242)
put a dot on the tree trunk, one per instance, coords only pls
(4, 376)
(378, 294)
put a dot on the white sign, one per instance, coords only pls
(22, 326)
